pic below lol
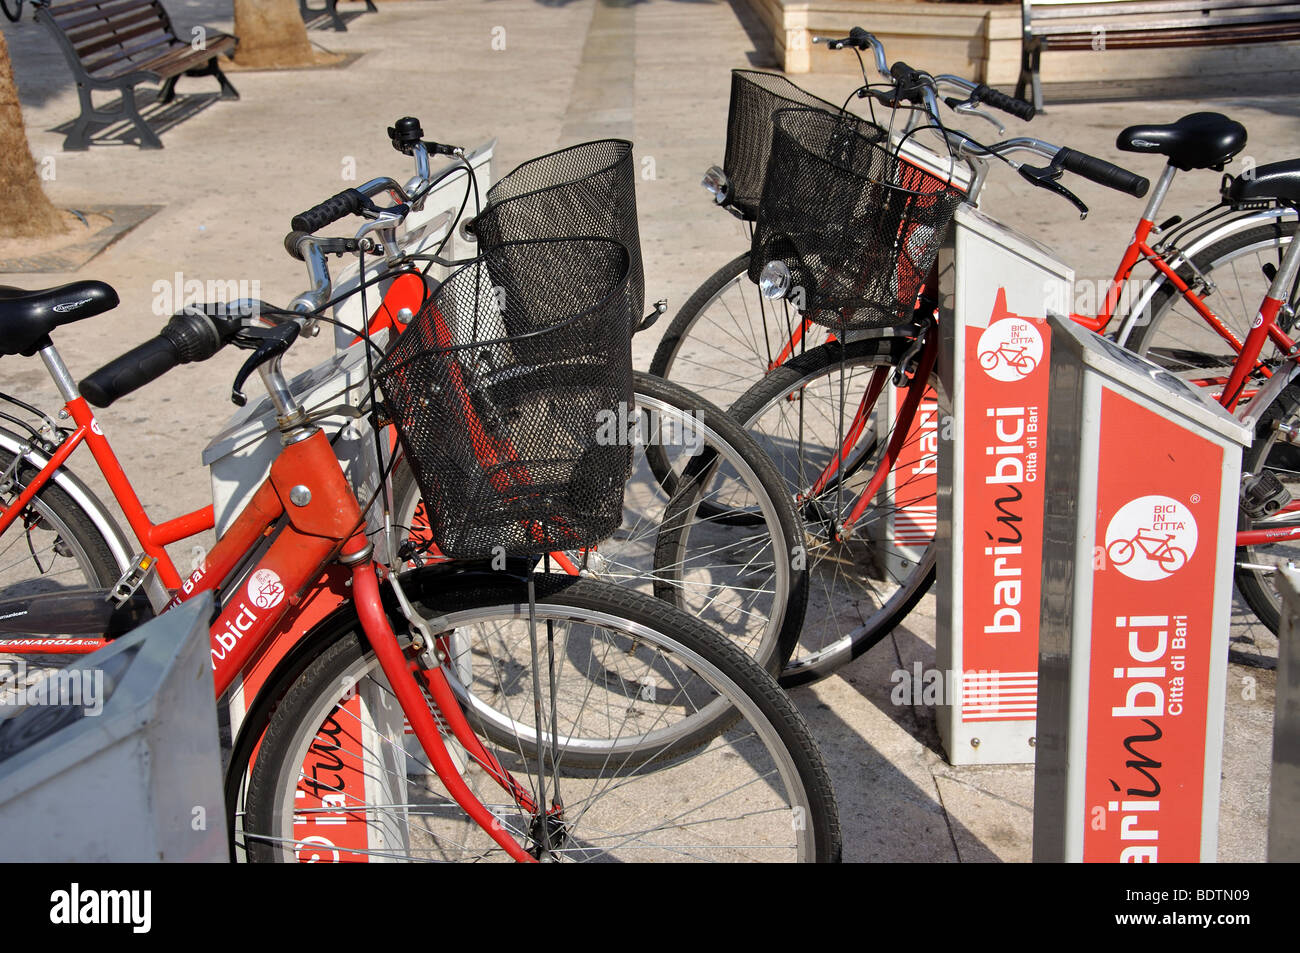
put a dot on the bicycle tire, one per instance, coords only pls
(1256, 584)
(74, 537)
(740, 574)
(846, 616)
(674, 779)
(1240, 286)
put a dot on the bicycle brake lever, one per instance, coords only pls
(967, 108)
(1046, 178)
(266, 343)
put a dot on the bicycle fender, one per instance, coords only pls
(81, 494)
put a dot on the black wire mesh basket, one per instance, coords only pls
(587, 189)
(855, 227)
(755, 97)
(509, 433)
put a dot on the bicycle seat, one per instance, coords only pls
(28, 317)
(1197, 141)
(1277, 180)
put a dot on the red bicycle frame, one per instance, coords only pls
(295, 582)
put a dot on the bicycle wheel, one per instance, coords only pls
(740, 576)
(52, 545)
(859, 588)
(1121, 552)
(335, 779)
(1271, 453)
(727, 315)
(1235, 268)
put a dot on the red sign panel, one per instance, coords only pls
(1158, 489)
(1002, 541)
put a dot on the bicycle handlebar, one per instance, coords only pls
(189, 336)
(1102, 172)
(345, 203)
(1000, 100)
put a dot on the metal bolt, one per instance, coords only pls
(974, 742)
(300, 495)
(1033, 742)
(404, 316)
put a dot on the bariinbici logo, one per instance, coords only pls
(1010, 349)
(265, 589)
(1151, 538)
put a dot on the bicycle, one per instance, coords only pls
(300, 585)
(1268, 512)
(1205, 270)
(747, 579)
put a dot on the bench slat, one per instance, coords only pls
(116, 34)
(1132, 41)
(1108, 8)
(120, 51)
(62, 11)
(106, 11)
(1216, 25)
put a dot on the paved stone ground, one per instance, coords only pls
(656, 72)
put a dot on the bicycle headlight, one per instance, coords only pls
(715, 182)
(774, 280)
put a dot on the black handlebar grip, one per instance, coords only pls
(348, 202)
(131, 371)
(189, 336)
(903, 73)
(1000, 100)
(1103, 172)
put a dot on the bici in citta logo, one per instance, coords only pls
(1010, 349)
(1151, 538)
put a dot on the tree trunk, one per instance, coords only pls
(271, 33)
(25, 212)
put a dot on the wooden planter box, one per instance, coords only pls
(982, 42)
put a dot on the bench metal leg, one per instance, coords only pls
(148, 139)
(1029, 76)
(78, 138)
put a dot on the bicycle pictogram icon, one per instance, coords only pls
(1016, 358)
(1010, 349)
(1153, 546)
(1151, 538)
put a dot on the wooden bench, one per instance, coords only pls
(331, 9)
(1140, 24)
(119, 44)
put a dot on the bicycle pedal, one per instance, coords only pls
(132, 580)
(1263, 495)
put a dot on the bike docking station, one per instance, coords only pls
(116, 757)
(1139, 534)
(996, 287)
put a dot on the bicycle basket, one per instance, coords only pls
(755, 97)
(509, 435)
(587, 189)
(856, 226)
